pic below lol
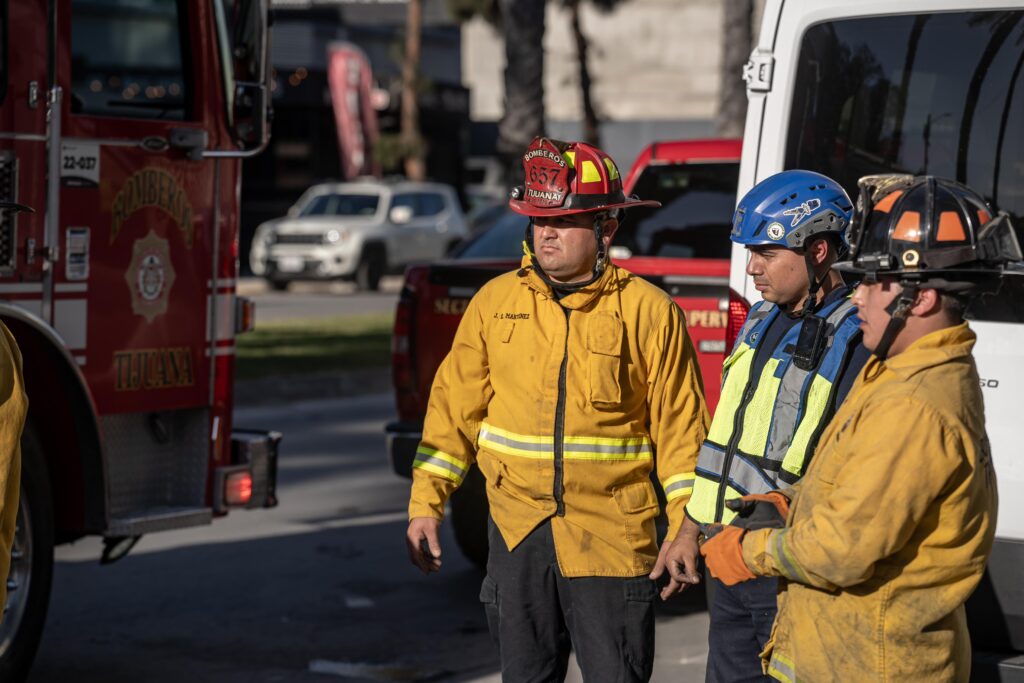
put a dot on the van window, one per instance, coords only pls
(128, 59)
(887, 94)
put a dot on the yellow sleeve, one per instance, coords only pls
(865, 500)
(459, 397)
(677, 412)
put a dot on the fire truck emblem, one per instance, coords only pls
(150, 276)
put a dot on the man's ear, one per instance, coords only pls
(928, 302)
(608, 228)
(819, 250)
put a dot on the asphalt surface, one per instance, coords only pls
(308, 300)
(317, 589)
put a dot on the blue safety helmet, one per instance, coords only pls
(790, 207)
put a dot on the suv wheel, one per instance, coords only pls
(370, 269)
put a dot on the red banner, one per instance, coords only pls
(351, 81)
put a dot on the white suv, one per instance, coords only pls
(357, 231)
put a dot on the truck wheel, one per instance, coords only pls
(28, 583)
(370, 269)
(469, 517)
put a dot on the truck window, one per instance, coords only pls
(885, 94)
(341, 205)
(128, 58)
(695, 216)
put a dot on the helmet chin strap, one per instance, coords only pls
(898, 309)
(811, 303)
(599, 262)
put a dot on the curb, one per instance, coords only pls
(292, 388)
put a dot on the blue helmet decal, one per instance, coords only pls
(789, 208)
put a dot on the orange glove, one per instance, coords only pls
(723, 554)
(746, 503)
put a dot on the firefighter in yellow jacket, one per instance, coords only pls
(888, 533)
(568, 382)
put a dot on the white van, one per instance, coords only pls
(856, 87)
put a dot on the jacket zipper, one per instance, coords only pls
(734, 440)
(559, 487)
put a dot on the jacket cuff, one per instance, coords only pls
(755, 552)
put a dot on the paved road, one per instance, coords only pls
(307, 300)
(318, 589)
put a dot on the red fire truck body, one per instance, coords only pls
(123, 125)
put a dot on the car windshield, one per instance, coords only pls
(693, 222)
(341, 205)
(503, 238)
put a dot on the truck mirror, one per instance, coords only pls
(244, 27)
(400, 215)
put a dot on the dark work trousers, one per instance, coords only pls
(536, 615)
(741, 624)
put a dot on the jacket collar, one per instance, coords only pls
(939, 347)
(578, 299)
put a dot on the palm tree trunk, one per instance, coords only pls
(737, 39)
(591, 133)
(523, 22)
(412, 141)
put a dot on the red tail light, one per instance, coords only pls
(738, 309)
(402, 372)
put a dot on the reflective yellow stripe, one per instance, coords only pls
(701, 505)
(678, 486)
(817, 400)
(738, 366)
(757, 417)
(613, 172)
(570, 157)
(574, 447)
(441, 455)
(439, 471)
(778, 548)
(589, 172)
(519, 445)
(781, 669)
(440, 463)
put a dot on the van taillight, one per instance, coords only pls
(738, 309)
(402, 367)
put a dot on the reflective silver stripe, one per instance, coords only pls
(487, 435)
(610, 449)
(781, 670)
(681, 484)
(753, 319)
(710, 460)
(742, 473)
(438, 462)
(778, 542)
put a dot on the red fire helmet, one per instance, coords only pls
(565, 178)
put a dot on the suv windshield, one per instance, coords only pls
(886, 94)
(341, 205)
(693, 222)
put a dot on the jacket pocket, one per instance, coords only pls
(638, 505)
(604, 362)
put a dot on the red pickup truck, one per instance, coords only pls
(683, 247)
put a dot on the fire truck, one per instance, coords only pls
(123, 125)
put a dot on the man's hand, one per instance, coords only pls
(424, 544)
(679, 557)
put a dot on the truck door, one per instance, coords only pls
(23, 84)
(136, 202)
